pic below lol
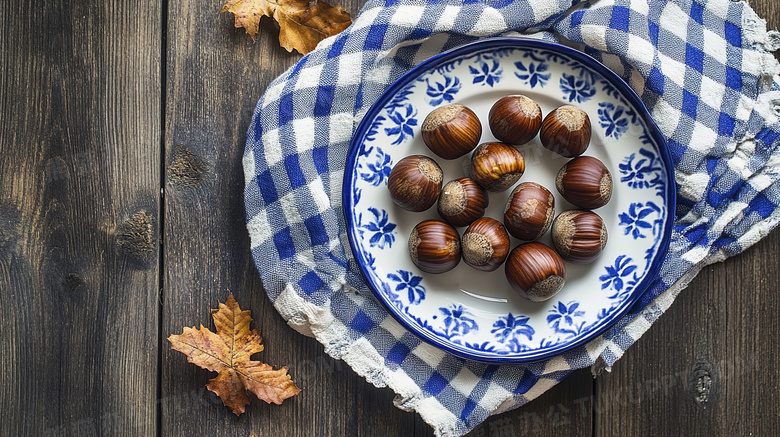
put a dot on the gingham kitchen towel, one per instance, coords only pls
(704, 70)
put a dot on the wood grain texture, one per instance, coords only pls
(79, 183)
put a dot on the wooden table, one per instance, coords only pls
(122, 125)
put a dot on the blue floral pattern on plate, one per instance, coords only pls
(536, 73)
(508, 328)
(616, 272)
(565, 318)
(643, 171)
(487, 73)
(615, 119)
(641, 220)
(443, 91)
(475, 314)
(406, 281)
(458, 321)
(380, 231)
(377, 172)
(576, 89)
(404, 120)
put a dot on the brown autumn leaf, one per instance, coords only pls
(301, 24)
(228, 352)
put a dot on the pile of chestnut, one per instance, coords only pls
(534, 270)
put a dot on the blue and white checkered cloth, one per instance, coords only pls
(704, 70)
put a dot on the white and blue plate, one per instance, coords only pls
(474, 314)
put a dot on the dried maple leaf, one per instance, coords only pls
(301, 24)
(228, 352)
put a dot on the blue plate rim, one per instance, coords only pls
(514, 42)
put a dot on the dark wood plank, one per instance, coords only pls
(79, 201)
(710, 365)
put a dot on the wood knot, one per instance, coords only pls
(701, 384)
(136, 238)
(72, 281)
(186, 169)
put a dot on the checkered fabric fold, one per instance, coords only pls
(703, 69)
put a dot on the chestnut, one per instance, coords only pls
(515, 119)
(529, 211)
(496, 166)
(485, 244)
(415, 182)
(535, 271)
(451, 131)
(462, 201)
(566, 131)
(434, 246)
(579, 236)
(585, 182)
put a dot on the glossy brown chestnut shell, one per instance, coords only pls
(496, 166)
(415, 182)
(485, 244)
(434, 246)
(579, 236)
(535, 271)
(451, 131)
(566, 131)
(585, 182)
(529, 211)
(515, 119)
(462, 201)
